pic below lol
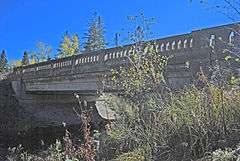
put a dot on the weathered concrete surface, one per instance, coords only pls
(46, 89)
(11, 114)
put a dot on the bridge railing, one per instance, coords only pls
(190, 45)
(81, 59)
(165, 46)
(4, 76)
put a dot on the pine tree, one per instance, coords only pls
(95, 36)
(25, 59)
(3, 62)
(69, 46)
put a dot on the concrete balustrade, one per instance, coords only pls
(172, 45)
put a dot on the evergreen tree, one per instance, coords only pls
(69, 46)
(25, 59)
(95, 36)
(3, 62)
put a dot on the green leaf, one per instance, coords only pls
(228, 57)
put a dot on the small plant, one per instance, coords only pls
(136, 155)
(223, 155)
(65, 150)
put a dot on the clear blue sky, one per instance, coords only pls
(23, 23)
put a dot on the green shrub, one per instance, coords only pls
(223, 155)
(186, 124)
(136, 155)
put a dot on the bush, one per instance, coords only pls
(62, 151)
(185, 125)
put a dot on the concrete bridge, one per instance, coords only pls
(46, 89)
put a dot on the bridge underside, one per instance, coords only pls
(65, 86)
(53, 103)
(54, 109)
